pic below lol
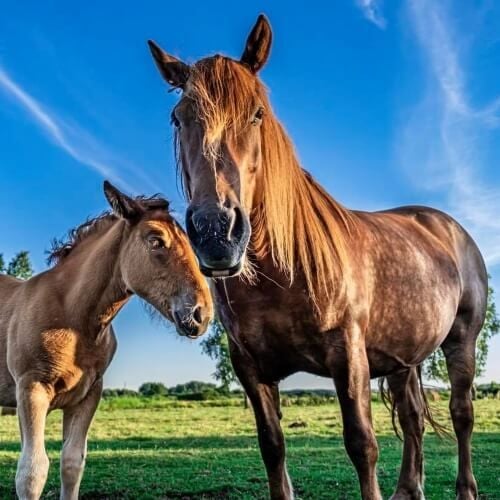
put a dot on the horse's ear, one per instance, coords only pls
(123, 206)
(258, 45)
(174, 71)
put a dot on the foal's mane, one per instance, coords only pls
(294, 219)
(61, 248)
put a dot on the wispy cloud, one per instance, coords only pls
(445, 142)
(372, 10)
(73, 140)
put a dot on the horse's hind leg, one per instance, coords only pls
(76, 422)
(459, 350)
(33, 465)
(405, 390)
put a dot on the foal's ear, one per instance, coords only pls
(174, 71)
(258, 45)
(156, 204)
(123, 206)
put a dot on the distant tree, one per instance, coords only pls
(435, 366)
(19, 266)
(192, 387)
(153, 389)
(109, 393)
(488, 390)
(216, 346)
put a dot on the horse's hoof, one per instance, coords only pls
(467, 495)
(467, 490)
(417, 494)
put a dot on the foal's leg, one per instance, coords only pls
(33, 403)
(406, 392)
(352, 381)
(265, 402)
(76, 424)
(459, 350)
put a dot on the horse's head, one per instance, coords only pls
(219, 121)
(156, 262)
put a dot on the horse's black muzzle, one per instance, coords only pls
(219, 236)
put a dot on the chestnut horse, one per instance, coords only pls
(56, 337)
(344, 294)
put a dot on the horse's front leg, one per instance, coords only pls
(264, 397)
(76, 424)
(33, 400)
(351, 374)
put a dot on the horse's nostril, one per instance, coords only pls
(197, 315)
(199, 223)
(237, 226)
(190, 226)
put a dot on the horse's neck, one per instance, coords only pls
(91, 281)
(310, 249)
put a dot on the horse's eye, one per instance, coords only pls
(155, 243)
(257, 118)
(175, 121)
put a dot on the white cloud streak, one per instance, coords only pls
(372, 11)
(444, 143)
(68, 138)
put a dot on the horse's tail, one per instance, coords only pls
(440, 429)
(388, 399)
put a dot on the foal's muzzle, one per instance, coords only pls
(191, 322)
(219, 236)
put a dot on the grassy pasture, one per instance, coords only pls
(197, 451)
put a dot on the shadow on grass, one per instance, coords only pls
(230, 467)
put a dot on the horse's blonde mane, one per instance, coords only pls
(294, 218)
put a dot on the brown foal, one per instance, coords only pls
(56, 337)
(344, 294)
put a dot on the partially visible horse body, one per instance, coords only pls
(56, 338)
(344, 294)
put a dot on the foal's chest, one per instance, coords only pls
(73, 364)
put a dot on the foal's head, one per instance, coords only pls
(157, 263)
(221, 128)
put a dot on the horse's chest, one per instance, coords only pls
(281, 339)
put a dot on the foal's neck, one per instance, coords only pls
(91, 281)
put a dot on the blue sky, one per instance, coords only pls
(388, 103)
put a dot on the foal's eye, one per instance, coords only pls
(257, 117)
(155, 243)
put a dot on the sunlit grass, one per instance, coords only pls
(203, 452)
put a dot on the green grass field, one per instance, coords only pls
(204, 452)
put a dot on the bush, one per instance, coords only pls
(200, 396)
(490, 390)
(113, 393)
(192, 387)
(153, 389)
